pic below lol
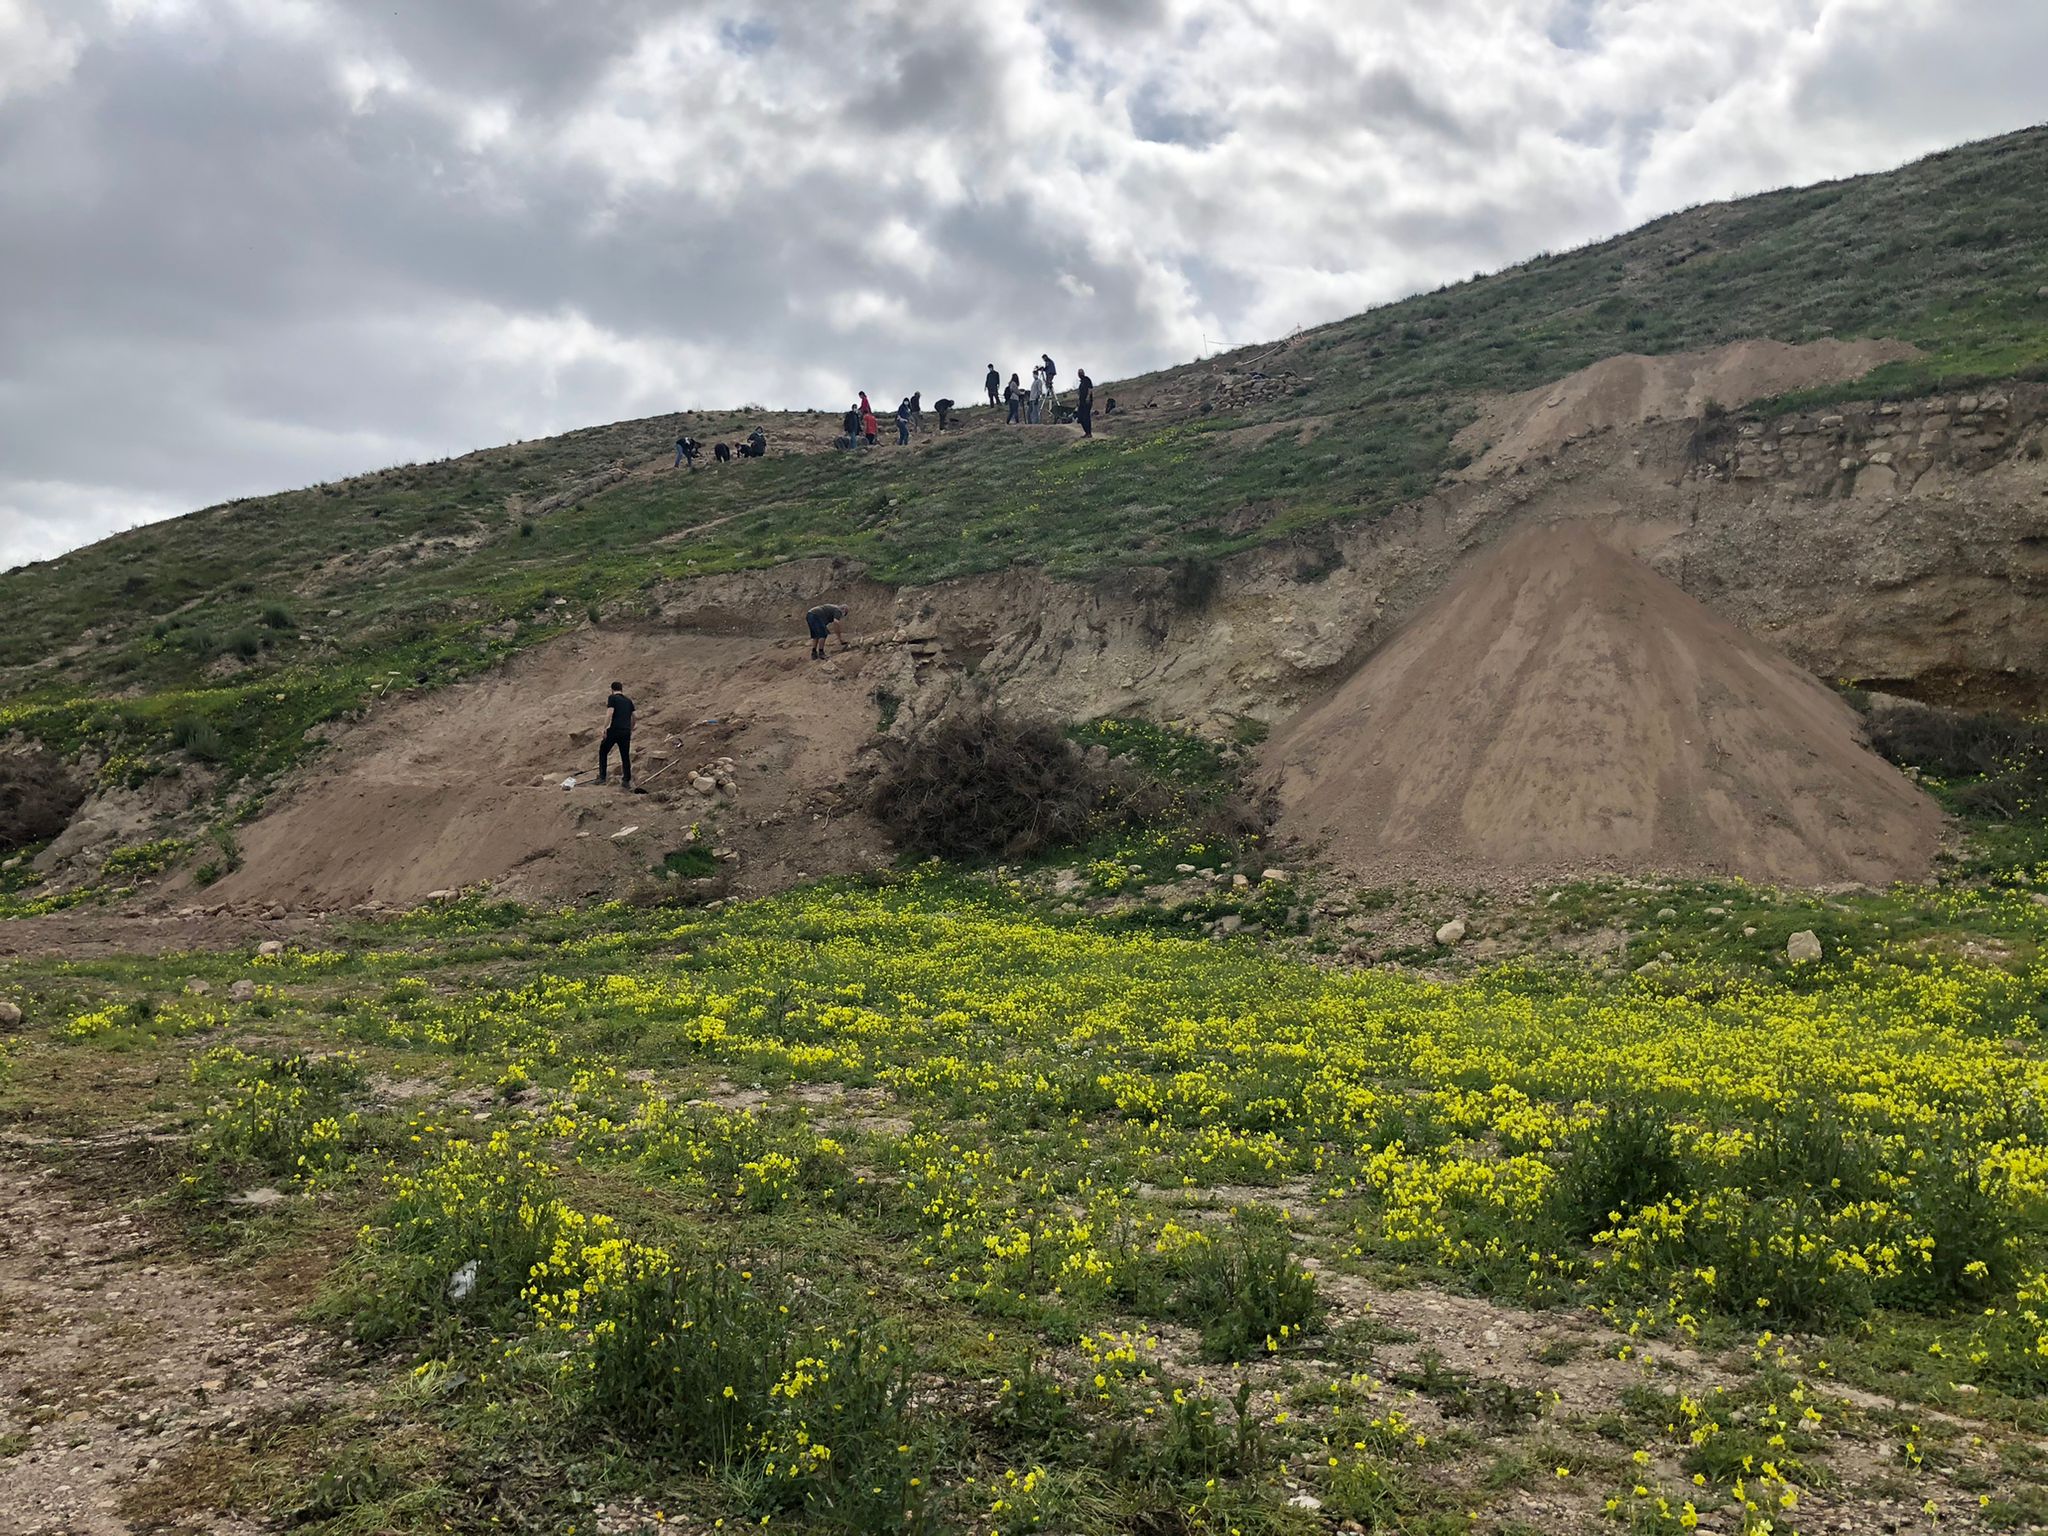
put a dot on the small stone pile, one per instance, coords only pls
(715, 778)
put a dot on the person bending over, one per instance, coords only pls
(826, 619)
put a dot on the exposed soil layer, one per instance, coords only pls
(464, 786)
(1562, 709)
(1629, 389)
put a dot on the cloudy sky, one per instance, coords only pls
(252, 244)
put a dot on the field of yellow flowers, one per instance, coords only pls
(918, 1205)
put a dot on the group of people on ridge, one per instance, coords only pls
(1036, 404)
(753, 446)
(1039, 402)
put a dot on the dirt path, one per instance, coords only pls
(114, 1357)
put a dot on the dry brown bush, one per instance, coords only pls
(38, 796)
(983, 784)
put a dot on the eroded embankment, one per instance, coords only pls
(1901, 543)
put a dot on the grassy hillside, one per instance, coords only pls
(238, 627)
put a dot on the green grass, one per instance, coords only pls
(1105, 1195)
(260, 619)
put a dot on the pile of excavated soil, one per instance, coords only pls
(1628, 389)
(1562, 710)
(464, 786)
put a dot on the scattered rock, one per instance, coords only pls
(1307, 1501)
(1650, 968)
(1273, 874)
(1802, 946)
(1229, 924)
(10, 1015)
(1183, 869)
(1666, 914)
(197, 986)
(263, 1195)
(463, 1281)
(1451, 932)
(1239, 882)
(270, 947)
(443, 895)
(242, 991)
(623, 833)
(1749, 933)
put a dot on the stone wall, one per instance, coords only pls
(1876, 449)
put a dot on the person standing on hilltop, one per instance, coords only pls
(1084, 402)
(1037, 410)
(1051, 373)
(869, 431)
(903, 422)
(826, 619)
(617, 733)
(994, 385)
(917, 411)
(1013, 396)
(851, 422)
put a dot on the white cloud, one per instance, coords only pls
(256, 243)
(37, 51)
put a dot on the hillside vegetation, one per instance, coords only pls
(238, 627)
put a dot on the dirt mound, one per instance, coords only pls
(1625, 390)
(1561, 709)
(464, 786)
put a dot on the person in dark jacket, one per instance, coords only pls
(945, 409)
(850, 423)
(903, 422)
(1013, 392)
(756, 445)
(825, 619)
(994, 385)
(617, 733)
(1084, 402)
(686, 449)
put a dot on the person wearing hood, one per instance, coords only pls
(903, 422)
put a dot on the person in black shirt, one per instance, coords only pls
(851, 422)
(994, 385)
(822, 621)
(619, 733)
(1084, 402)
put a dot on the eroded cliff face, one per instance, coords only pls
(1902, 545)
